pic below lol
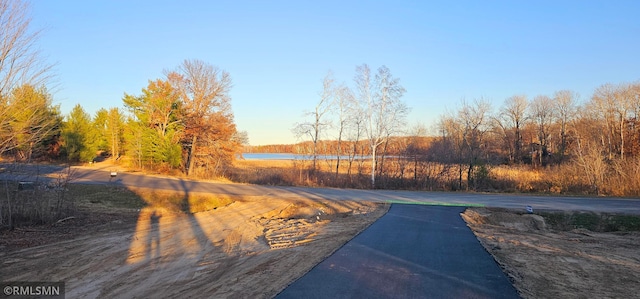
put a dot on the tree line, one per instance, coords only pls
(598, 137)
(371, 114)
(184, 122)
(595, 142)
(180, 122)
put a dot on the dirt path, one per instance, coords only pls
(252, 248)
(547, 263)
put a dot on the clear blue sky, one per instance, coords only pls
(278, 52)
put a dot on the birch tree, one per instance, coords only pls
(343, 101)
(384, 112)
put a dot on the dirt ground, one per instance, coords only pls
(252, 248)
(255, 247)
(547, 263)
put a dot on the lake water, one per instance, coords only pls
(286, 156)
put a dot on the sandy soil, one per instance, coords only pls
(546, 263)
(249, 249)
(255, 247)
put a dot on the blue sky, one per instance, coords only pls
(278, 52)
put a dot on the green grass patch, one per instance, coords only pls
(104, 196)
(597, 222)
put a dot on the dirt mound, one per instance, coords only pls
(498, 217)
(544, 262)
(295, 224)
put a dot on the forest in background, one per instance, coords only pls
(182, 123)
(556, 143)
(355, 134)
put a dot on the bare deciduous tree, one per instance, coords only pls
(541, 112)
(20, 61)
(315, 128)
(21, 66)
(625, 99)
(603, 104)
(415, 149)
(565, 109)
(514, 116)
(384, 112)
(209, 127)
(355, 131)
(343, 99)
(474, 120)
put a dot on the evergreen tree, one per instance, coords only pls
(154, 128)
(78, 136)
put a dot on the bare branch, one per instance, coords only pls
(20, 61)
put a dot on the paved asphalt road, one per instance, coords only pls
(95, 175)
(414, 251)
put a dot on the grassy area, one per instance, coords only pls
(136, 198)
(104, 196)
(597, 222)
(38, 205)
(191, 202)
(404, 174)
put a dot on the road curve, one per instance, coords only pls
(90, 175)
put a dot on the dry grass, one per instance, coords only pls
(249, 164)
(29, 206)
(191, 202)
(621, 179)
(517, 178)
(136, 198)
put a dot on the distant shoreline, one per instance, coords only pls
(289, 156)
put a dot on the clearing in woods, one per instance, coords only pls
(254, 246)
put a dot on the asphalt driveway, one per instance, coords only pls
(414, 251)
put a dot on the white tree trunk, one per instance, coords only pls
(373, 166)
